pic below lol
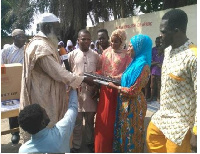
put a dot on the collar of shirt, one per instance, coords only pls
(179, 49)
(16, 48)
(85, 53)
(40, 134)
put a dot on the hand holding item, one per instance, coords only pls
(89, 80)
(112, 85)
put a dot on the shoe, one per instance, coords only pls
(74, 150)
(91, 147)
(15, 138)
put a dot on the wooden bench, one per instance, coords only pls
(8, 114)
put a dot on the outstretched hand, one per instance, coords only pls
(89, 80)
(112, 85)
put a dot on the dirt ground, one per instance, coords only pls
(8, 147)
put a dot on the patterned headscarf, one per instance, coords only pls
(61, 43)
(142, 46)
(121, 34)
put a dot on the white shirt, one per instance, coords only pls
(12, 54)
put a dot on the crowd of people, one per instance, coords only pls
(55, 98)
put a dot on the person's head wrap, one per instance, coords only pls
(142, 46)
(48, 17)
(76, 46)
(17, 32)
(121, 34)
(69, 43)
(61, 43)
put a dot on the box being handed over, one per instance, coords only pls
(11, 75)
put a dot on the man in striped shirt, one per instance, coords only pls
(14, 54)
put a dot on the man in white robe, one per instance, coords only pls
(44, 79)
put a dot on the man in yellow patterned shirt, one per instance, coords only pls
(172, 126)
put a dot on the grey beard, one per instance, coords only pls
(53, 38)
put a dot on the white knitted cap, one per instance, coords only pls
(48, 17)
(17, 32)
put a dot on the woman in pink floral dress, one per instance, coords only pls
(114, 61)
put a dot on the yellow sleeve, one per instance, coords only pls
(195, 130)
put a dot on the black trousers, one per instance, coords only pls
(13, 122)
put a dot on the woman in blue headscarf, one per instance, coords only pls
(131, 107)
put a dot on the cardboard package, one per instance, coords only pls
(11, 75)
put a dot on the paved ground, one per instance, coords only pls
(8, 147)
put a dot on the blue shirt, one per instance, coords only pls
(56, 139)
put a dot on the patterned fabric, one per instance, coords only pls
(142, 46)
(130, 114)
(12, 54)
(113, 64)
(178, 104)
(121, 34)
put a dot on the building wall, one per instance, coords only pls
(148, 24)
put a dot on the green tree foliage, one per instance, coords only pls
(19, 13)
(73, 17)
(177, 3)
(73, 13)
(5, 22)
(149, 6)
(15, 14)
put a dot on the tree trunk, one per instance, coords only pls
(73, 15)
(54, 7)
(122, 7)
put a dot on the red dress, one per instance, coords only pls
(113, 64)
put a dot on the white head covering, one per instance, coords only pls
(92, 43)
(61, 43)
(48, 17)
(77, 46)
(17, 32)
(69, 43)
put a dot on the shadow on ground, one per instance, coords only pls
(5, 148)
